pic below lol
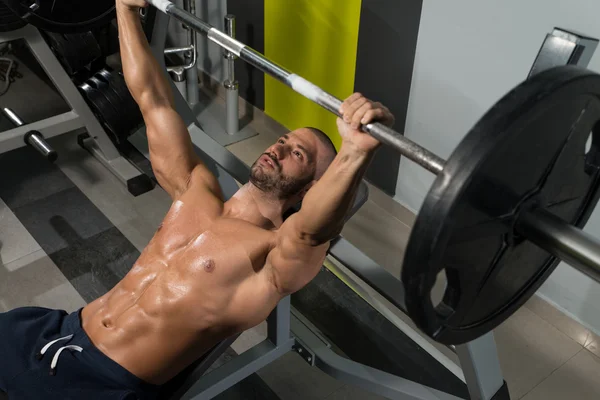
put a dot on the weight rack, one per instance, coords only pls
(80, 118)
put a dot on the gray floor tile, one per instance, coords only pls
(94, 265)
(25, 260)
(55, 225)
(292, 378)
(29, 181)
(529, 349)
(32, 284)
(61, 297)
(593, 345)
(105, 191)
(379, 235)
(578, 379)
(15, 241)
(348, 392)
(283, 368)
(560, 321)
(138, 231)
(390, 205)
(250, 338)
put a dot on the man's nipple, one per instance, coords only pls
(209, 265)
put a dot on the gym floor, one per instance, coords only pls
(69, 231)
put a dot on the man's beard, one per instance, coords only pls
(284, 187)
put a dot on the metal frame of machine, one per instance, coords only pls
(79, 118)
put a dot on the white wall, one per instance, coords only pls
(469, 54)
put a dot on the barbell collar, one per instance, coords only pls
(37, 141)
(388, 136)
(565, 241)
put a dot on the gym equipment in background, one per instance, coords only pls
(80, 117)
(109, 98)
(32, 138)
(64, 16)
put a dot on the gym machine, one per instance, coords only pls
(220, 121)
(33, 138)
(80, 118)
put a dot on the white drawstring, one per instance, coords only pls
(55, 358)
(46, 347)
(57, 354)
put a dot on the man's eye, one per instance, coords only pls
(298, 154)
(280, 141)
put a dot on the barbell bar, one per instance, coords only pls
(406, 147)
(557, 237)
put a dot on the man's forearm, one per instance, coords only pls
(144, 76)
(326, 204)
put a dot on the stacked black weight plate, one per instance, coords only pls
(9, 21)
(110, 100)
(116, 82)
(65, 16)
(74, 50)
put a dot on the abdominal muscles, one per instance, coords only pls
(177, 301)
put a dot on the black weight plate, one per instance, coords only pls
(128, 105)
(9, 21)
(116, 85)
(103, 110)
(122, 118)
(113, 112)
(74, 50)
(527, 151)
(65, 16)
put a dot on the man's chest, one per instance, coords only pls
(217, 245)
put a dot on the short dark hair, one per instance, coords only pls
(322, 136)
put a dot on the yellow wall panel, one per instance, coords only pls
(316, 39)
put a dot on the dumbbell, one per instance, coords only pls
(32, 138)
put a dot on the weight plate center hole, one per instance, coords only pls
(588, 143)
(592, 157)
(439, 288)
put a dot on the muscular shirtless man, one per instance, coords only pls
(212, 269)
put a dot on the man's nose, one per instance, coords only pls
(279, 152)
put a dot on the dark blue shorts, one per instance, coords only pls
(81, 371)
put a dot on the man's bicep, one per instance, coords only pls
(293, 261)
(172, 153)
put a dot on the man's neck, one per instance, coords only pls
(257, 207)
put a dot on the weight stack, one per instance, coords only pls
(108, 96)
(75, 51)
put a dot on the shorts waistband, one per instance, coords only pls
(104, 364)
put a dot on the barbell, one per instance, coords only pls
(504, 209)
